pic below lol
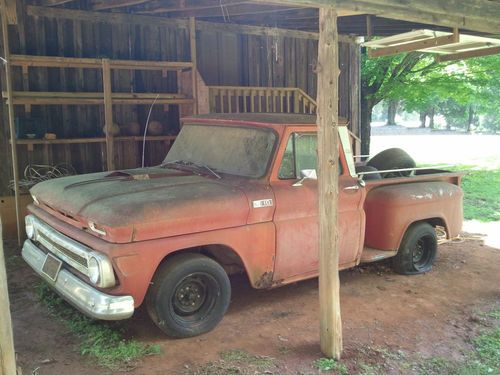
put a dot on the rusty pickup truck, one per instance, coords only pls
(235, 194)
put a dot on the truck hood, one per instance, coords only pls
(142, 204)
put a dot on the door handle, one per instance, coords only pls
(354, 187)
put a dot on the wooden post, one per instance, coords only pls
(7, 354)
(108, 114)
(10, 107)
(328, 155)
(194, 70)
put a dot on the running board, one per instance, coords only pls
(373, 255)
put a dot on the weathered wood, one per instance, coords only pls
(355, 97)
(328, 155)
(52, 3)
(90, 63)
(414, 46)
(194, 69)
(478, 15)
(111, 4)
(7, 354)
(105, 17)
(469, 54)
(121, 18)
(11, 11)
(108, 114)
(10, 109)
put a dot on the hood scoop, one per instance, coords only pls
(128, 175)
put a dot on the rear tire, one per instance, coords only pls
(392, 158)
(417, 251)
(189, 295)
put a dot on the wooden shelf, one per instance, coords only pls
(137, 138)
(89, 63)
(93, 98)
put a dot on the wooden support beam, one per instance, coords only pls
(478, 15)
(53, 3)
(92, 63)
(122, 18)
(10, 108)
(414, 46)
(7, 354)
(194, 70)
(328, 156)
(112, 4)
(187, 6)
(108, 114)
(11, 10)
(469, 54)
(369, 27)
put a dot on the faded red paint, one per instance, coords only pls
(151, 213)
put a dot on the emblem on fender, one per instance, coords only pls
(262, 203)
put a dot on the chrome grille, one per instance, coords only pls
(68, 250)
(77, 258)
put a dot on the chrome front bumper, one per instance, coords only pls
(81, 295)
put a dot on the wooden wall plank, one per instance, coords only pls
(224, 57)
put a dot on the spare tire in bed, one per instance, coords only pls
(369, 176)
(392, 158)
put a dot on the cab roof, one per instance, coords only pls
(260, 118)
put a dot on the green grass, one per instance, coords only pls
(481, 195)
(483, 359)
(330, 365)
(100, 340)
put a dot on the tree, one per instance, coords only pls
(381, 78)
(463, 91)
(459, 90)
(392, 109)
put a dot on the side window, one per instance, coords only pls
(301, 153)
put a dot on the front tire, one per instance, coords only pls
(417, 251)
(189, 295)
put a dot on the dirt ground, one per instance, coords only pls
(409, 316)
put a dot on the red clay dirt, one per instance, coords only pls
(413, 316)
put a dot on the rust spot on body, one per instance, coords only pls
(265, 281)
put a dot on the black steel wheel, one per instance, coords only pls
(189, 295)
(417, 251)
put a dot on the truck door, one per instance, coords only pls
(296, 215)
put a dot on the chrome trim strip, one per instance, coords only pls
(72, 252)
(81, 295)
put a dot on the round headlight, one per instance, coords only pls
(94, 270)
(30, 227)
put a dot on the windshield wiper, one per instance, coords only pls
(190, 165)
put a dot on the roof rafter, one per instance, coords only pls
(478, 15)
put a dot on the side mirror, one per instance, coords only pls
(306, 174)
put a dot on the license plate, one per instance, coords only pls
(51, 267)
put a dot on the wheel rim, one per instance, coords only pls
(194, 297)
(421, 253)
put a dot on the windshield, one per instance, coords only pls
(242, 151)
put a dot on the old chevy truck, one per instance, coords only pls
(235, 193)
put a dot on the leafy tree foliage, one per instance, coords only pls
(463, 91)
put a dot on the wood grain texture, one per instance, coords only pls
(328, 154)
(7, 354)
(11, 115)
